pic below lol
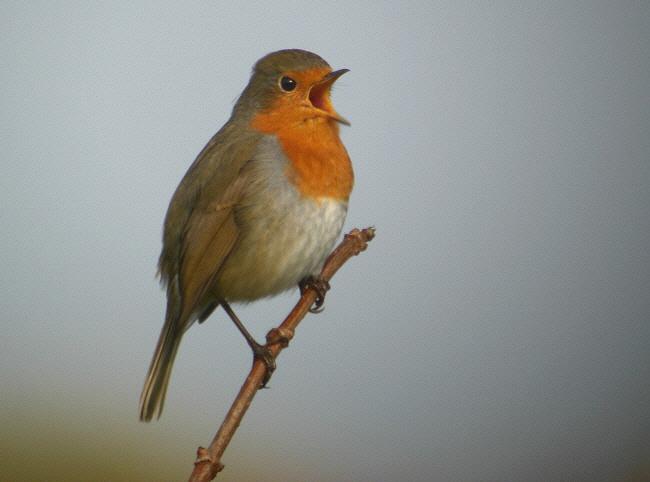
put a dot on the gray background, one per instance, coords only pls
(497, 328)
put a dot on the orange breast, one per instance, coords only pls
(320, 165)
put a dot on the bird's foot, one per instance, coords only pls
(320, 286)
(263, 353)
(260, 352)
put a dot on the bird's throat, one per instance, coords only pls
(319, 165)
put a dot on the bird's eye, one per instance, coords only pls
(287, 84)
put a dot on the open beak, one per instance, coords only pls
(319, 95)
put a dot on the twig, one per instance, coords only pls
(208, 461)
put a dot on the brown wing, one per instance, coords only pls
(211, 235)
(200, 230)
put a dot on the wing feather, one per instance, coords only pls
(200, 228)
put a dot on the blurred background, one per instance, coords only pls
(497, 329)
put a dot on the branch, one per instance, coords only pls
(208, 461)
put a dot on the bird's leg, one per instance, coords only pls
(319, 285)
(259, 351)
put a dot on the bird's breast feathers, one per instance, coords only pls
(318, 163)
(284, 235)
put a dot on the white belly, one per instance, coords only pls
(274, 256)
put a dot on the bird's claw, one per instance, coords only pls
(320, 286)
(263, 353)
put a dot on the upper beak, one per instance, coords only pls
(324, 85)
(332, 76)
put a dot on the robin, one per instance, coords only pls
(259, 209)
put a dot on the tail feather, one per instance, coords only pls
(152, 398)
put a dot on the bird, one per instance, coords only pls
(259, 209)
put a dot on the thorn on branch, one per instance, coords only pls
(279, 336)
(204, 467)
(360, 238)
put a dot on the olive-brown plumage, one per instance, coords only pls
(259, 209)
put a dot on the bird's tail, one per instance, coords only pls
(152, 398)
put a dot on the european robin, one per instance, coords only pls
(259, 209)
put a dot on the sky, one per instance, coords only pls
(497, 328)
